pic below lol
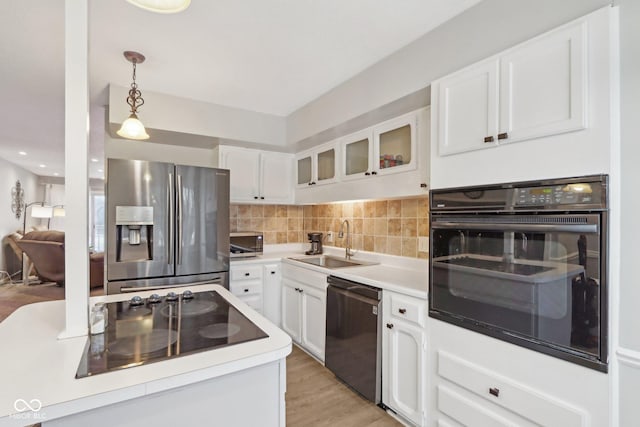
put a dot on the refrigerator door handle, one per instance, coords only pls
(179, 231)
(170, 219)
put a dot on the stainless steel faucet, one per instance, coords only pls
(347, 250)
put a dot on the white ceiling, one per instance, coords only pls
(271, 56)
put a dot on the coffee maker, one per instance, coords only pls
(316, 243)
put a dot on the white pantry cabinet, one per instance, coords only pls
(404, 356)
(304, 305)
(536, 89)
(257, 176)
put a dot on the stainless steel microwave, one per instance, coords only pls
(245, 244)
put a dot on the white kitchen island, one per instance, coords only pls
(239, 385)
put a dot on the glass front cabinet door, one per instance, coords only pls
(394, 145)
(388, 147)
(317, 166)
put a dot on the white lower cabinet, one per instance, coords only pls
(404, 356)
(271, 293)
(258, 285)
(246, 283)
(304, 305)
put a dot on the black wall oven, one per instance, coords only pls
(526, 263)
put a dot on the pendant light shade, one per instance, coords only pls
(162, 6)
(132, 127)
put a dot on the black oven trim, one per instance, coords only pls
(563, 353)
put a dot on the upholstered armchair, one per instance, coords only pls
(46, 251)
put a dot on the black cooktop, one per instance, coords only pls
(142, 331)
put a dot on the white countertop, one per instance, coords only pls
(38, 367)
(405, 275)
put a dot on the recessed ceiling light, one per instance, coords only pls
(94, 160)
(22, 153)
(100, 170)
(56, 174)
(42, 166)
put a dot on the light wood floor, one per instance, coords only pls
(315, 398)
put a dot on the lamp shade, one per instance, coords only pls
(132, 128)
(162, 6)
(41, 212)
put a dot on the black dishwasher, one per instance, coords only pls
(353, 340)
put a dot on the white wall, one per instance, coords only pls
(9, 174)
(170, 113)
(481, 31)
(629, 320)
(147, 150)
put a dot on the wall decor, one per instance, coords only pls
(17, 199)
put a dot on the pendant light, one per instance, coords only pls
(162, 6)
(132, 127)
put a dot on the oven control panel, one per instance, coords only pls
(568, 194)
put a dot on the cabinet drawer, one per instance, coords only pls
(536, 407)
(246, 272)
(468, 412)
(246, 287)
(408, 308)
(304, 275)
(253, 301)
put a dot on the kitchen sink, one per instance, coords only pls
(328, 261)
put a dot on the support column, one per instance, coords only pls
(76, 168)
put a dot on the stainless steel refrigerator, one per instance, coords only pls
(167, 225)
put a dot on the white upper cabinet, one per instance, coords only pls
(468, 108)
(534, 90)
(317, 166)
(543, 86)
(394, 145)
(388, 147)
(257, 176)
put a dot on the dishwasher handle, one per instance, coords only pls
(354, 288)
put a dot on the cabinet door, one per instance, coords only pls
(245, 173)
(325, 160)
(314, 306)
(357, 154)
(304, 169)
(468, 109)
(543, 86)
(291, 309)
(272, 293)
(394, 145)
(404, 359)
(277, 176)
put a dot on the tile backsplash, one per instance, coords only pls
(385, 226)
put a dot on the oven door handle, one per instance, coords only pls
(547, 228)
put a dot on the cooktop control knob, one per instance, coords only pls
(136, 301)
(154, 299)
(187, 294)
(172, 296)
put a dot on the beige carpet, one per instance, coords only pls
(13, 296)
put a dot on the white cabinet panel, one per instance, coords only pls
(543, 86)
(291, 309)
(468, 109)
(404, 360)
(271, 293)
(245, 173)
(258, 176)
(314, 306)
(276, 177)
